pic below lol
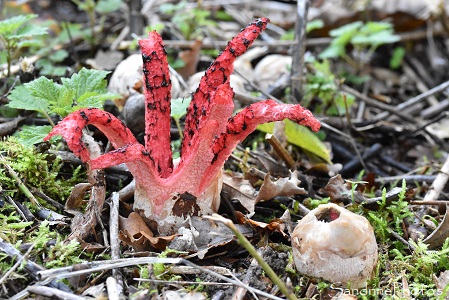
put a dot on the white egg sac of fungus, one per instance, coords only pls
(334, 244)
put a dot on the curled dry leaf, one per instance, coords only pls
(335, 244)
(240, 189)
(76, 198)
(280, 187)
(340, 191)
(204, 235)
(135, 232)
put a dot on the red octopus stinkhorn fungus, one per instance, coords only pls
(166, 193)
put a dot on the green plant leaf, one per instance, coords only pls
(30, 135)
(44, 89)
(21, 98)
(29, 31)
(346, 29)
(9, 26)
(64, 104)
(107, 6)
(179, 107)
(397, 57)
(302, 137)
(86, 81)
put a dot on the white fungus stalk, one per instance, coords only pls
(336, 245)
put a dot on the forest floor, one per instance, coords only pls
(374, 75)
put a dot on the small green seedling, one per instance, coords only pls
(15, 34)
(188, 21)
(364, 37)
(321, 86)
(92, 8)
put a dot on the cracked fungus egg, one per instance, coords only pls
(336, 245)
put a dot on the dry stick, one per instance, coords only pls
(17, 264)
(435, 189)
(280, 150)
(207, 44)
(297, 72)
(96, 266)
(413, 101)
(420, 85)
(114, 241)
(52, 292)
(113, 288)
(439, 182)
(377, 104)
(247, 245)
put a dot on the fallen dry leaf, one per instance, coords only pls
(275, 225)
(280, 187)
(204, 234)
(440, 234)
(135, 232)
(238, 188)
(190, 58)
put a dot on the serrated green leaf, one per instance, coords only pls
(9, 26)
(302, 137)
(21, 98)
(179, 107)
(92, 99)
(87, 81)
(29, 31)
(44, 89)
(30, 135)
(64, 104)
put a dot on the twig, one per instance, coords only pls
(413, 101)
(377, 104)
(245, 243)
(280, 150)
(30, 267)
(408, 178)
(297, 72)
(113, 288)
(439, 182)
(17, 264)
(52, 292)
(96, 266)
(113, 236)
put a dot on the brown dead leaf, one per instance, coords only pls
(280, 187)
(204, 234)
(76, 198)
(190, 58)
(135, 232)
(275, 225)
(264, 160)
(340, 191)
(440, 234)
(240, 189)
(442, 281)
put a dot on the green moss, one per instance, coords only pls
(36, 171)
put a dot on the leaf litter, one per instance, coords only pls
(259, 185)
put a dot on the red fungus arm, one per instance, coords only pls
(217, 74)
(157, 87)
(71, 129)
(246, 121)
